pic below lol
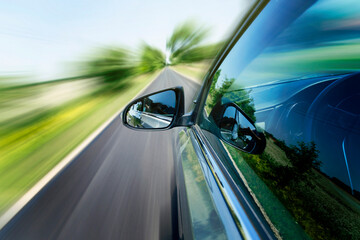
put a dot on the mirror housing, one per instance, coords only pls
(237, 129)
(157, 111)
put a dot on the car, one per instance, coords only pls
(270, 148)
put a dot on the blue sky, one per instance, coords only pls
(42, 37)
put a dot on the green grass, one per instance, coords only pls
(30, 151)
(279, 216)
(313, 202)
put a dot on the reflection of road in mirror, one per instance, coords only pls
(151, 120)
(139, 119)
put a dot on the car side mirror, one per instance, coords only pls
(159, 110)
(237, 129)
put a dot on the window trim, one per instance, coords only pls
(245, 211)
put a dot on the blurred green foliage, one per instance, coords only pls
(151, 59)
(112, 65)
(33, 141)
(319, 206)
(186, 44)
(38, 117)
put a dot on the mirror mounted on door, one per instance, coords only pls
(237, 129)
(159, 110)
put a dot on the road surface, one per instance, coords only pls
(121, 186)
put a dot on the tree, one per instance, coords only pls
(151, 59)
(304, 157)
(186, 44)
(111, 66)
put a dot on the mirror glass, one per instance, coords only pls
(153, 111)
(236, 129)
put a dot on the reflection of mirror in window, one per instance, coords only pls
(237, 129)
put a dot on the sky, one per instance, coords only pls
(42, 38)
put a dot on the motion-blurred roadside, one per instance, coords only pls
(41, 122)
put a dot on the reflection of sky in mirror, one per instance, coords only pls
(165, 98)
(229, 112)
(244, 123)
(232, 112)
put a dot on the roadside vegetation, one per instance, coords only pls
(290, 187)
(186, 44)
(42, 122)
(31, 146)
(187, 51)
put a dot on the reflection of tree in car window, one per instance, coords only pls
(218, 94)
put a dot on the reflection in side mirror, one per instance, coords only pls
(237, 129)
(154, 111)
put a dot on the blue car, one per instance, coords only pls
(271, 147)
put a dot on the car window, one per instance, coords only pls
(295, 73)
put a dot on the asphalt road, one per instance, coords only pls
(121, 186)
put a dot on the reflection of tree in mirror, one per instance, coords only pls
(147, 104)
(133, 120)
(138, 106)
(324, 210)
(158, 108)
(136, 122)
(227, 123)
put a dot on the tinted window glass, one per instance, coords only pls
(295, 73)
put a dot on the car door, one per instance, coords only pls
(289, 75)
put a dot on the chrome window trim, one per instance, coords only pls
(242, 208)
(221, 207)
(250, 226)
